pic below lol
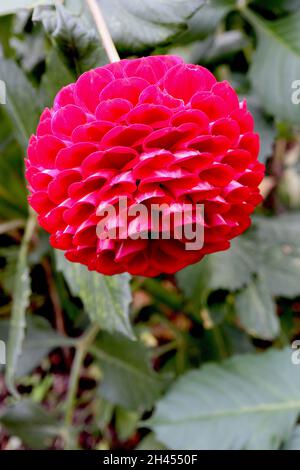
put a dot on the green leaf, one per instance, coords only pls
(293, 443)
(280, 254)
(150, 443)
(31, 423)
(136, 25)
(247, 402)
(238, 341)
(23, 109)
(6, 25)
(21, 100)
(106, 299)
(105, 412)
(29, 49)
(263, 127)
(128, 379)
(56, 76)
(261, 264)
(206, 19)
(79, 44)
(231, 269)
(277, 6)
(126, 423)
(39, 341)
(8, 272)
(12, 6)
(276, 64)
(269, 250)
(256, 310)
(282, 270)
(193, 280)
(21, 296)
(13, 194)
(213, 49)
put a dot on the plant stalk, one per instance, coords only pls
(103, 31)
(82, 347)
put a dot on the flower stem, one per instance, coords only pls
(82, 347)
(18, 311)
(104, 33)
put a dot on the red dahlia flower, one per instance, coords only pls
(153, 130)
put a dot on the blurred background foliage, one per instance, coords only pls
(197, 360)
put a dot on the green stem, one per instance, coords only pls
(17, 322)
(103, 31)
(29, 230)
(218, 339)
(161, 350)
(162, 295)
(82, 348)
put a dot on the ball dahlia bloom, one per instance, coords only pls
(153, 130)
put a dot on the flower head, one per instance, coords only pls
(154, 131)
